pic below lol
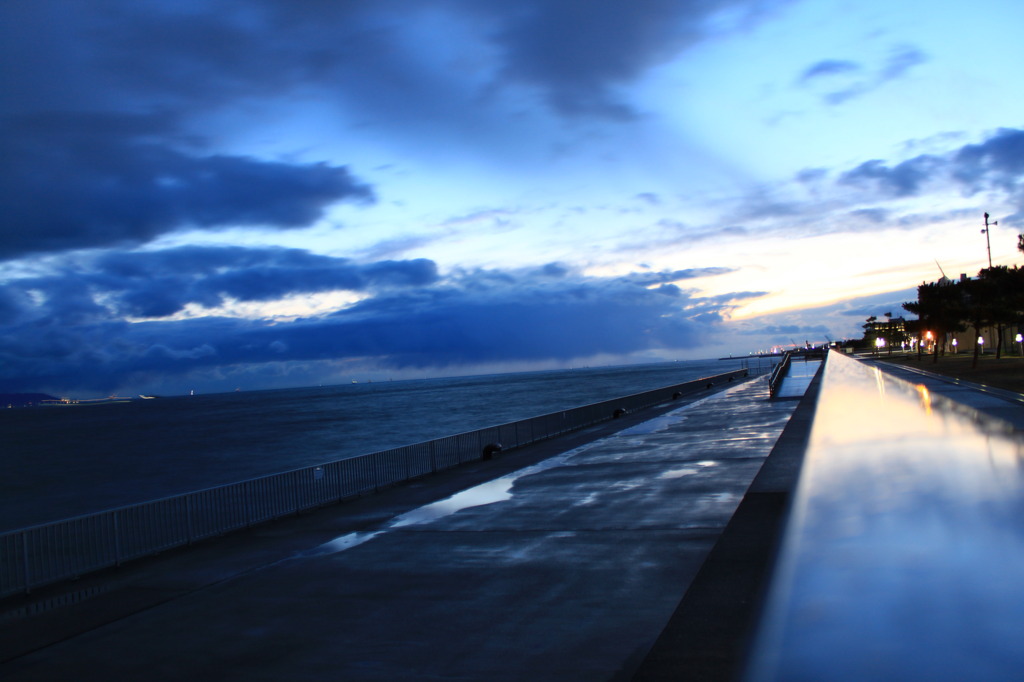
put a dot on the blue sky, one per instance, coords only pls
(218, 194)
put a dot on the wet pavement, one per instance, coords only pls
(566, 566)
(801, 372)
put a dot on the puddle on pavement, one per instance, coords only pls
(662, 422)
(688, 470)
(498, 490)
(340, 544)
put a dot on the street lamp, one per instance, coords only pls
(954, 346)
(928, 335)
(981, 344)
(1020, 344)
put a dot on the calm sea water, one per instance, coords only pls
(62, 462)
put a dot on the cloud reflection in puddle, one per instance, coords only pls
(498, 490)
(688, 470)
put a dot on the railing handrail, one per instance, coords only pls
(779, 373)
(49, 552)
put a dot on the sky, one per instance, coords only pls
(218, 194)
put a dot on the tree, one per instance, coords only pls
(870, 333)
(999, 292)
(940, 307)
(979, 295)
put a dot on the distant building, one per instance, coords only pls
(892, 327)
(890, 332)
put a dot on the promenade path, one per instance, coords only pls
(563, 561)
(801, 372)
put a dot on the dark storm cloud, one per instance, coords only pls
(578, 51)
(90, 180)
(995, 163)
(904, 179)
(414, 320)
(998, 160)
(161, 283)
(103, 100)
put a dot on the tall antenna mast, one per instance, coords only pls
(988, 242)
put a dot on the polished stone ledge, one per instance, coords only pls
(904, 547)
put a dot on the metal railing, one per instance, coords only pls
(48, 553)
(779, 373)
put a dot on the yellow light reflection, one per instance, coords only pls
(926, 397)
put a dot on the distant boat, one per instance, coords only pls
(147, 397)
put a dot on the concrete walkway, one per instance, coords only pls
(565, 569)
(801, 372)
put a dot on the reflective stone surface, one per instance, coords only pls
(904, 557)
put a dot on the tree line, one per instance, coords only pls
(992, 300)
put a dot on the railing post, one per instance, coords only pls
(246, 506)
(25, 562)
(188, 519)
(117, 540)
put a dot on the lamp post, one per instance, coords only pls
(981, 344)
(1020, 344)
(954, 346)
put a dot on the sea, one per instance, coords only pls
(61, 462)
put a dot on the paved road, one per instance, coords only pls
(567, 569)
